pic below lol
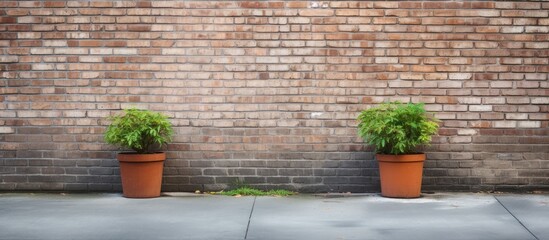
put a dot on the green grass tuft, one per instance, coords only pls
(248, 191)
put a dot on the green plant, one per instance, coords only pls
(396, 128)
(143, 131)
(248, 191)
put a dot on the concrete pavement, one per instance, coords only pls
(191, 216)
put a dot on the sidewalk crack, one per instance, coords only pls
(250, 219)
(522, 224)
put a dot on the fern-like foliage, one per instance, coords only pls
(143, 131)
(396, 128)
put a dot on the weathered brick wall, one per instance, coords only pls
(267, 92)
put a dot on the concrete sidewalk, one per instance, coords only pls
(191, 216)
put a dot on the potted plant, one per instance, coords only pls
(396, 130)
(145, 132)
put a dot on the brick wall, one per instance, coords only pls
(266, 92)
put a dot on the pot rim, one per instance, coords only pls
(141, 157)
(135, 153)
(401, 158)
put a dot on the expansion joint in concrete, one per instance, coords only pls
(518, 220)
(250, 218)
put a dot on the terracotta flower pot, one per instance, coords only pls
(401, 175)
(141, 174)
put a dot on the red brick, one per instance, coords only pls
(8, 20)
(253, 4)
(114, 59)
(54, 4)
(101, 4)
(139, 28)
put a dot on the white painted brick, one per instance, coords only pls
(467, 131)
(480, 108)
(540, 100)
(460, 76)
(101, 51)
(505, 124)
(125, 51)
(41, 51)
(267, 60)
(529, 124)
(7, 130)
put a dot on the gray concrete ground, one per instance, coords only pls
(191, 216)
